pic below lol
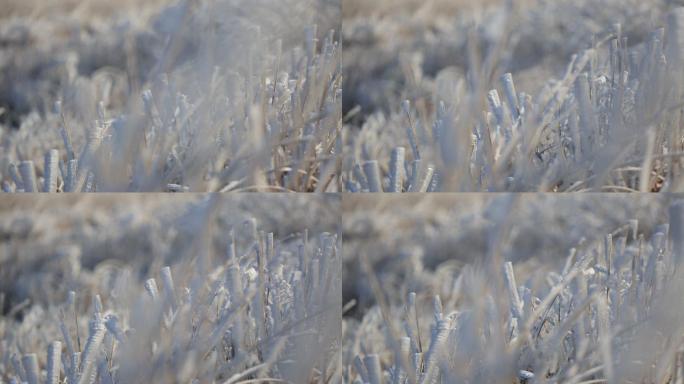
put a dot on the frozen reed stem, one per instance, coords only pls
(30, 363)
(434, 353)
(361, 369)
(67, 338)
(516, 305)
(74, 371)
(417, 360)
(415, 182)
(495, 107)
(231, 252)
(404, 351)
(606, 338)
(587, 118)
(234, 281)
(96, 333)
(511, 95)
(371, 170)
(169, 289)
(51, 171)
(576, 133)
(360, 177)
(410, 132)
(676, 233)
(234, 286)
(28, 175)
(86, 162)
(14, 173)
(372, 363)
(97, 304)
(675, 43)
(397, 173)
(412, 314)
(645, 183)
(151, 288)
(16, 364)
(54, 362)
(427, 179)
(72, 168)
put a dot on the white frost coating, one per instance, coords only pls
(397, 170)
(51, 171)
(169, 288)
(30, 363)
(513, 295)
(511, 95)
(54, 362)
(96, 334)
(372, 173)
(28, 175)
(151, 288)
(676, 232)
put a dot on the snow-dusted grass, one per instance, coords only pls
(598, 108)
(226, 95)
(605, 309)
(148, 289)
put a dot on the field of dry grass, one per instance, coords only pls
(512, 288)
(141, 288)
(170, 96)
(512, 96)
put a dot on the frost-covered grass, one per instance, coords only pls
(601, 305)
(227, 95)
(521, 96)
(152, 289)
